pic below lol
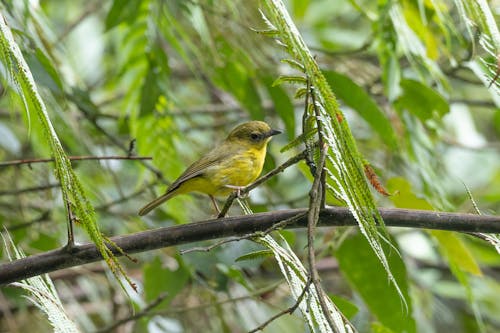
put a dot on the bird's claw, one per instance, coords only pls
(238, 190)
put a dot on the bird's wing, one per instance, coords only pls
(199, 167)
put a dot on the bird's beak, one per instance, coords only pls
(273, 132)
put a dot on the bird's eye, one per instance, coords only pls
(254, 136)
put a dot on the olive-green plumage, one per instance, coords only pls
(236, 162)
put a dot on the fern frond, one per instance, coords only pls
(43, 293)
(297, 278)
(72, 190)
(345, 172)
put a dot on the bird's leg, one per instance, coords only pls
(238, 190)
(214, 202)
(71, 237)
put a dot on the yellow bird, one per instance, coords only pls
(235, 163)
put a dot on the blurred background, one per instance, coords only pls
(170, 79)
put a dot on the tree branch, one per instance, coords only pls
(237, 225)
(73, 158)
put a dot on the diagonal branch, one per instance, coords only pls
(237, 225)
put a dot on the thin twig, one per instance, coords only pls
(291, 161)
(145, 312)
(312, 220)
(93, 120)
(73, 158)
(258, 292)
(217, 244)
(289, 310)
(274, 227)
(30, 189)
(125, 198)
(321, 141)
(44, 216)
(474, 102)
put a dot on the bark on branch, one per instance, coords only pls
(237, 226)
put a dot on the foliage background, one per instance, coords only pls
(176, 76)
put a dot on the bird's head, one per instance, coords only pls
(253, 133)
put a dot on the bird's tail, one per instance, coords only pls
(156, 202)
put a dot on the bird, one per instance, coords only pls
(230, 166)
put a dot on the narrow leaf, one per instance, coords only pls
(366, 275)
(255, 255)
(290, 79)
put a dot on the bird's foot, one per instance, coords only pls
(238, 190)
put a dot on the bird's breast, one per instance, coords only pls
(240, 170)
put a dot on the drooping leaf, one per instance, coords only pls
(367, 276)
(347, 308)
(421, 100)
(121, 11)
(456, 251)
(159, 279)
(235, 78)
(44, 71)
(255, 255)
(150, 92)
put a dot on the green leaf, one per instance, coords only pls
(455, 250)
(43, 71)
(282, 105)
(268, 33)
(45, 242)
(403, 195)
(255, 255)
(347, 308)
(159, 279)
(150, 92)
(294, 64)
(421, 100)
(293, 79)
(367, 276)
(300, 140)
(358, 99)
(289, 236)
(234, 273)
(300, 7)
(122, 10)
(235, 78)
(300, 93)
(379, 328)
